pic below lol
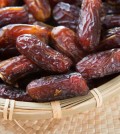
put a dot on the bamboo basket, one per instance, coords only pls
(16, 110)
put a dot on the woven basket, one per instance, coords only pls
(14, 110)
(42, 115)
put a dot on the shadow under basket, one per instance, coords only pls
(16, 110)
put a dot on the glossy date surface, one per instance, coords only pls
(65, 41)
(89, 24)
(9, 33)
(66, 15)
(111, 39)
(13, 15)
(15, 68)
(40, 9)
(42, 54)
(57, 87)
(100, 64)
(8, 92)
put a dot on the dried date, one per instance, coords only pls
(66, 15)
(111, 21)
(89, 26)
(100, 64)
(8, 92)
(15, 68)
(6, 3)
(65, 41)
(41, 54)
(13, 15)
(111, 39)
(9, 33)
(39, 8)
(57, 87)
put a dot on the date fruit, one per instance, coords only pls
(65, 41)
(111, 21)
(5, 3)
(13, 15)
(8, 92)
(41, 54)
(39, 8)
(9, 33)
(57, 87)
(89, 26)
(100, 64)
(15, 68)
(111, 39)
(66, 15)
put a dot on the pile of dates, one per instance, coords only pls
(57, 49)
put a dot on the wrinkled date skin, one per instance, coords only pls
(8, 92)
(57, 87)
(9, 33)
(65, 41)
(5, 3)
(13, 15)
(15, 68)
(111, 39)
(113, 2)
(100, 64)
(33, 21)
(41, 54)
(39, 8)
(66, 15)
(111, 21)
(89, 26)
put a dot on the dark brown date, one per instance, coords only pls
(110, 9)
(41, 54)
(8, 92)
(15, 68)
(100, 64)
(5, 3)
(57, 87)
(9, 33)
(89, 26)
(13, 15)
(39, 8)
(114, 2)
(111, 21)
(65, 41)
(111, 39)
(66, 15)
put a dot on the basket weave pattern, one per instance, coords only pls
(104, 120)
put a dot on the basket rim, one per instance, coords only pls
(35, 111)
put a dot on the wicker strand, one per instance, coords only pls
(56, 108)
(17, 123)
(5, 110)
(98, 97)
(12, 105)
